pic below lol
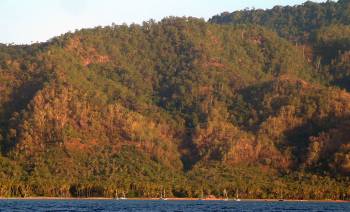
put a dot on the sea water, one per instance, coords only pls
(154, 205)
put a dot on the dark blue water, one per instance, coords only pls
(193, 206)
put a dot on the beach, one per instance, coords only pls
(168, 199)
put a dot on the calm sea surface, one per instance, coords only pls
(193, 206)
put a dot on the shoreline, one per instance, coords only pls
(170, 199)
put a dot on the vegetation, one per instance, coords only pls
(320, 30)
(182, 105)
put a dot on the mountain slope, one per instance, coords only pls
(181, 105)
(321, 30)
(295, 23)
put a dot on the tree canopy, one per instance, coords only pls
(184, 105)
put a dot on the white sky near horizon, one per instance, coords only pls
(26, 21)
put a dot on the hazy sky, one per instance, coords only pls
(23, 21)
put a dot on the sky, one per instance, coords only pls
(26, 21)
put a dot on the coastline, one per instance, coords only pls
(170, 199)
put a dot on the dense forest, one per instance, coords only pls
(254, 102)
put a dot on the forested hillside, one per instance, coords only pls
(182, 105)
(321, 30)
